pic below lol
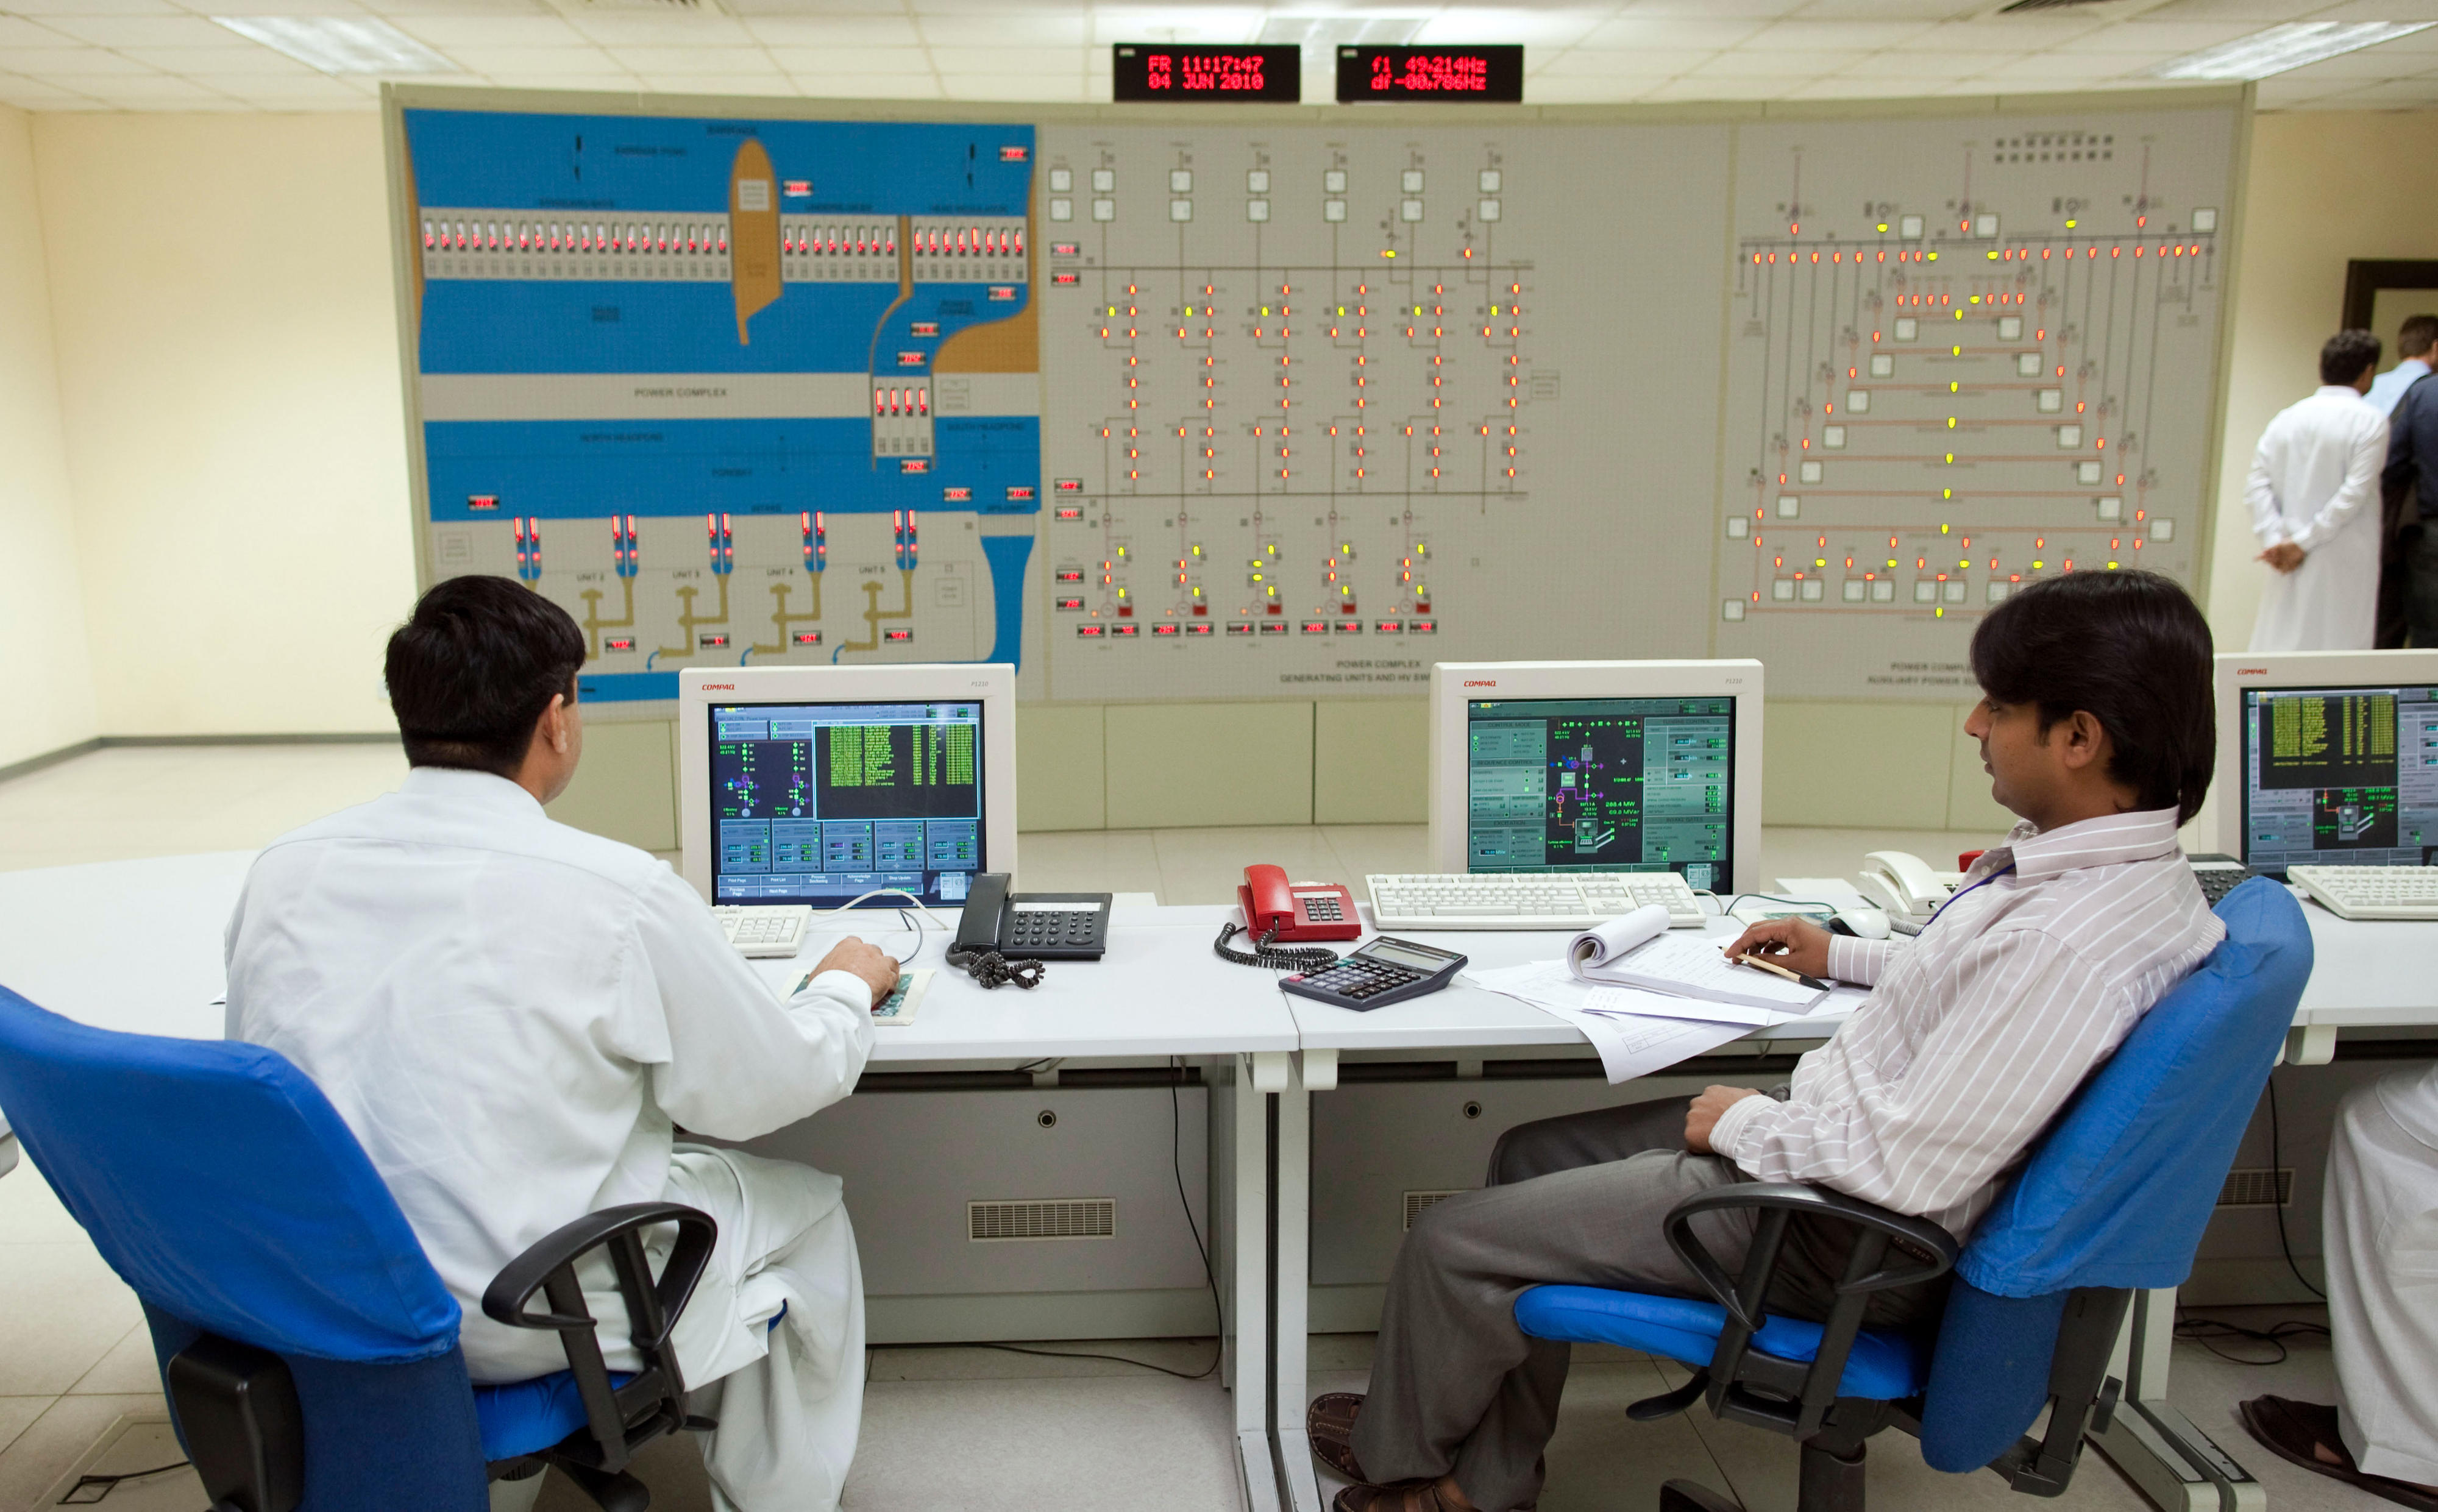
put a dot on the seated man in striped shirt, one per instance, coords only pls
(2097, 727)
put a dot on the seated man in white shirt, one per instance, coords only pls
(2095, 726)
(513, 1016)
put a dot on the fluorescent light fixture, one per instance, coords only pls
(341, 45)
(2279, 48)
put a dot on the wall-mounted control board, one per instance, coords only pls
(1224, 408)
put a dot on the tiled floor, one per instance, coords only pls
(946, 1427)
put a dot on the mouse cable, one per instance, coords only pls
(1294, 957)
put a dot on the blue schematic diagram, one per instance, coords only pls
(731, 391)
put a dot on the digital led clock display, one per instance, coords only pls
(1493, 74)
(1158, 71)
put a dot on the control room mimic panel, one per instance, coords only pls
(1230, 409)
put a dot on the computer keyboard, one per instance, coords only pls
(765, 928)
(1541, 900)
(2371, 892)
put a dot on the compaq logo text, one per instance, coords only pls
(1481, 682)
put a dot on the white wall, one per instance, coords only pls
(228, 375)
(2324, 187)
(46, 671)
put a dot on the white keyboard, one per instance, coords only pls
(765, 928)
(1544, 900)
(2371, 892)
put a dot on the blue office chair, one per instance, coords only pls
(2111, 1200)
(308, 1348)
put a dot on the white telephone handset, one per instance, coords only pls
(1901, 884)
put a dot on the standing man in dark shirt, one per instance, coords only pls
(2412, 468)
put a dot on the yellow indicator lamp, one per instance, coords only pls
(1942, 530)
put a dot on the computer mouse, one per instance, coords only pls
(1867, 924)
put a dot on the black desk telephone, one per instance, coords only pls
(1004, 936)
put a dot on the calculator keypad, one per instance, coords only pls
(1359, 979)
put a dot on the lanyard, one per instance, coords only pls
(1952, 902)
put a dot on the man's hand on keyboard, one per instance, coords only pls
(1797, 944)
(1702, 1116)
(878, 968)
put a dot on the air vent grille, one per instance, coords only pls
(1043, 1218)
(2258, 1186)
(1417, 1202)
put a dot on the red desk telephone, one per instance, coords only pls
(1278, 910)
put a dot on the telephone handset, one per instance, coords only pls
(1004, 936)
(1901, 884)
(1277, 909)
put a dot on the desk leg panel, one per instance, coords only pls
(1293, 1305)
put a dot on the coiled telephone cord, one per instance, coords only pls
(1293, 957)
(992, 969)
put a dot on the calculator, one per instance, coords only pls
(1384, 971)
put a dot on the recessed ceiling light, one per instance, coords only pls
(341, 45)
(2279, 48)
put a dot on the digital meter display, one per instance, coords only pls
(1158, 71)
(1493, 74)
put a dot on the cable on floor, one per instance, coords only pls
(101, 1485)
(2202, 1330)
(2276, 1164)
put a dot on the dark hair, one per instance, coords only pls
(2417, 335)
(2131, 650)
(473, 669)
(2348, 355)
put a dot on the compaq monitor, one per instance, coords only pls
(2328, 758)
(1598, 766)
(816, 784)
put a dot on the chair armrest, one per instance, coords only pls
(1794, 1399)
(652, 1310)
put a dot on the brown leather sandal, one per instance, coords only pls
(2295, 1431)
(1404, 1495)
(1329, 1423)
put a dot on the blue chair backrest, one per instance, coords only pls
(220, 1185)
(2117, 1193)
(206, 1171)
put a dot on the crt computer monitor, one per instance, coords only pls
(816, 784)
(2328, 758)
(1598, 766)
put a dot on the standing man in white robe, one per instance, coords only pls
(2314, 498)
(2379, 1229)
(512, 1016)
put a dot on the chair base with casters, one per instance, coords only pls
(2110, 1202)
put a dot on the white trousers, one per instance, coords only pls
(789, 1400)
(2379, 1228)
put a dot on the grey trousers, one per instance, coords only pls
(2421, 587)
(1456, 1388)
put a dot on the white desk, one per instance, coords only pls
(136, 946)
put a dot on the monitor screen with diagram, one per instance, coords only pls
(2344, 776)
(1603, 784)
(822, 803)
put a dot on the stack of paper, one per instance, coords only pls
(1631, 1043)
(1637, 951)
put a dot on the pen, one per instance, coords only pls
(1776, 970)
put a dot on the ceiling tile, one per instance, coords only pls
(1024, 32)
(396, 9)
(1836, 36)
(694, 60)
(1839, 88)
(2370, 63)
(1533, 28)
(1746, 64)
(1587, 90)
(755, 84)
(624, 30)
(192, 62)
(869, 86)
(2007, 36)
(1693, 89)
(1889, 9)
(18, 90)
(1669, 31)
(2261, 13)
(149, 87)
(92, 8)
(1754, 10)
(2404, 95)
(1011, 63)
(835, 32)
(290, 8)
(67, 62)
(2065, 69)
(16, 31)
(488, 31)
(2382, 10)
(1114, 24)
(572, 83)
(286, 86)
(143, 31)
(1593, 63)
(2174, 38)
(1000, 87)
(497, 61)
(835, 62)
(1927, 68)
